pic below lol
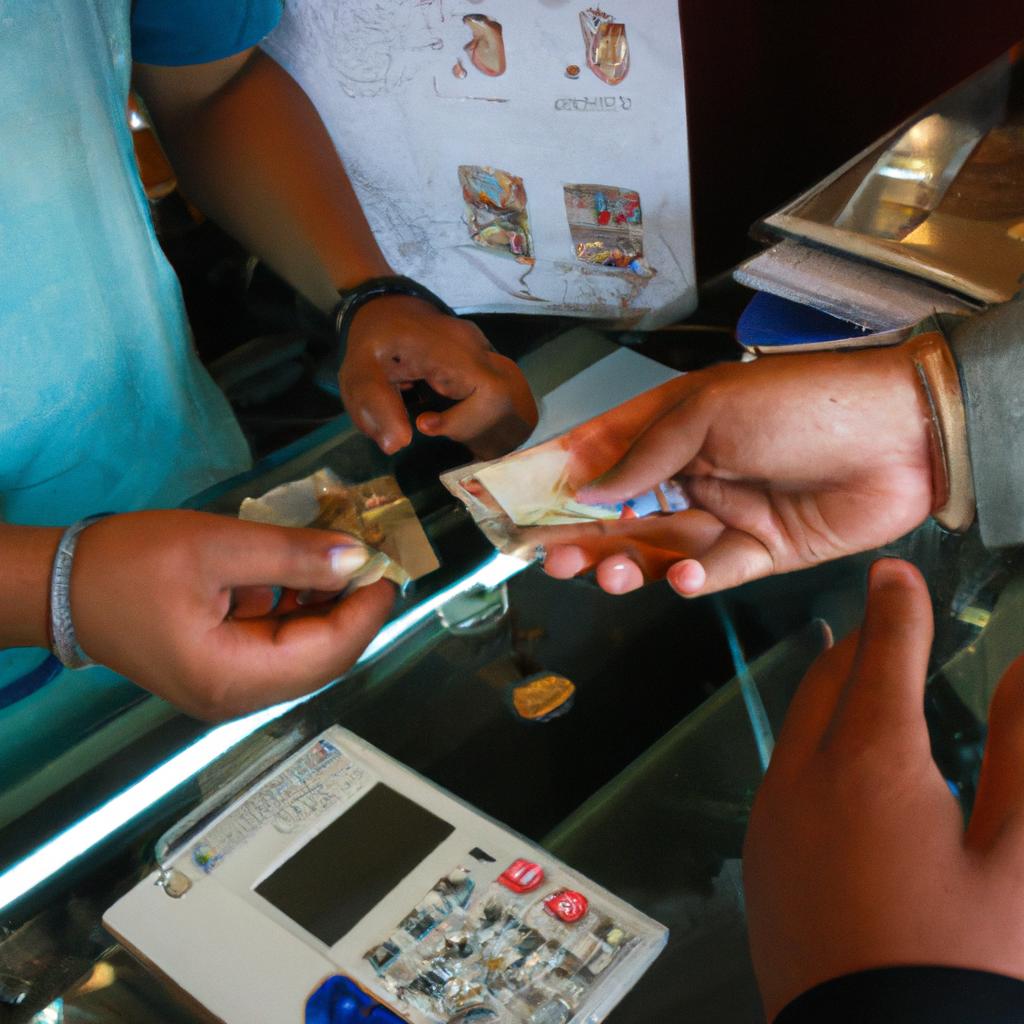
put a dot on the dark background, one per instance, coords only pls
(781, 92)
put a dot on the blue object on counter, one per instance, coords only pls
(35, 679)
(340, 1001)
(771, 321)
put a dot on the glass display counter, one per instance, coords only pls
(644, 783)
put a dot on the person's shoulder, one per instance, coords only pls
(198, 31)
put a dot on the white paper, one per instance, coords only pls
(609, 382)
(380, 73)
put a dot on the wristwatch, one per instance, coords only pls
(353, 299)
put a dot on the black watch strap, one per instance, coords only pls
(354, 299)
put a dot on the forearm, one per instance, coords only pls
(257, 159)
(26, 557)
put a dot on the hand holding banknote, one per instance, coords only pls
(786, 462)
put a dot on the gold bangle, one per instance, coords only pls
(951, 463)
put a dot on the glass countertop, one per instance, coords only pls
(644, 784)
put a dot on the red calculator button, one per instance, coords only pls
(522, 876)
(567, 905)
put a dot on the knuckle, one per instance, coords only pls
(712, 393)
(470, 332)
(504, 365)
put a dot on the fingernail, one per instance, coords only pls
(621, 576)
(429, 422)
(276, 593)
(828, 638)
(885, 572)
(688, 577)
(347, 560)
(565, 561)
(303, 597)
(391, 443)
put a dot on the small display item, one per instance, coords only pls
(522, 876)
(486, 49)
(542, 698)
(607, 48)
(606, 226)
(496, 210)
(365, 893)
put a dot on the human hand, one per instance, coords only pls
(787, 462)
(856, 855)
(397, 340)
(154, 596)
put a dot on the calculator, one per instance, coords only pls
(343, 871)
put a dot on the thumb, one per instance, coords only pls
(257, 554)
(658, 453)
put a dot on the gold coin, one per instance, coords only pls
(540, 697)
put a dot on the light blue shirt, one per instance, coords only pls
(104, 405)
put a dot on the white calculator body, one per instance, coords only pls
(344, 862)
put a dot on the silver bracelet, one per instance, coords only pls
(64, 642)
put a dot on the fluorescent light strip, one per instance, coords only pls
(57, 853)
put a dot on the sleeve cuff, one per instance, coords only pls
(911, 995)
(199, 31)
(989, 351)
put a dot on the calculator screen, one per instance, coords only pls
(341, 874)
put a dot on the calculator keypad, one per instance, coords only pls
(522, 952)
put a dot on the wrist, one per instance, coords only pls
(389, 308)
(383, 289)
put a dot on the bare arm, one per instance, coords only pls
(251, 151)
(26, 555)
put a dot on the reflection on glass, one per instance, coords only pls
(911, 177)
